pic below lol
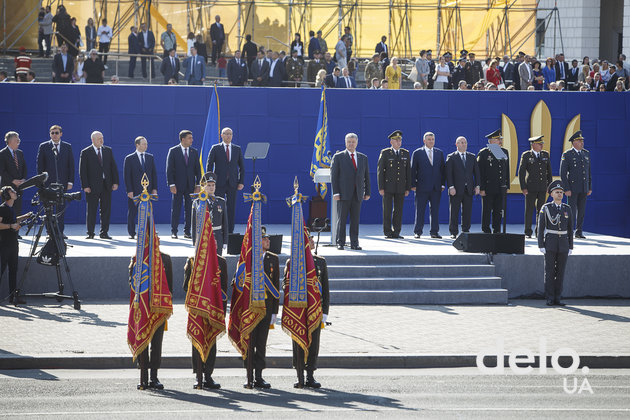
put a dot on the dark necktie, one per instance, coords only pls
(354, 162)
(100, 158)
(227, 152)
(15, 159)
(144, 168)
(57, 148)
(186, 155)
(463, 159)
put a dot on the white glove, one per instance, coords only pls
(570, 251)
(542, 250)
(225, 247)
(273, 319)
(324, 318)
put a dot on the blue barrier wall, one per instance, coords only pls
(287, 119)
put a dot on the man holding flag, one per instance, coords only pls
(206, 285)
(151, 301)
(321, 147)
(254, 294)
(305, 298)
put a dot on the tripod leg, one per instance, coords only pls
(30, 258)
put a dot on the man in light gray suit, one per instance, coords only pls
(195, 68)
(350, 180)
(526, 73)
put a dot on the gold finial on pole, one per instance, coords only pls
(257, 183)
(296, 184)
(144, 182)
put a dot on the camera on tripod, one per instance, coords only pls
(53, 195)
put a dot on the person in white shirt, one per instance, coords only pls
(443, 72)
(104, 33)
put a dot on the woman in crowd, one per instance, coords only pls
(605, 72)
(201, 48)
(586, 70)
(549, 73)
(422, 67)
(595, 69)
(298, 45)
(493, 75)
(442, 73)
(90, 35)
(320, 78)
(190, 42)
(393, 74)
(79, 74)
(539, 77)
(602, 88)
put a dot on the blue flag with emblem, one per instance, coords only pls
(297, 273)
(212, 134)
(145, 229)
(321, 147)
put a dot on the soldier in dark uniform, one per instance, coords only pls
(555, 240)
(258, 338)
(575, 171)
(294, 69)
(153, 362)
(218, 211)
(394, 183)
(495, 181)
(313, 350)
(534, 175)
(200, 368)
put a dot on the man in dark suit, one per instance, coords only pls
(195, 68)
(427, 180)
(276, 71)
(555, 240)
(346, 81)
(183, 174)
(332, 78)
(350, 180)
(133, 41)
(225, 160)
(237, 70)
(170, 67)
(135, 166)
(575, 171)
(462, 179)
(12, 166)
(572, 76)
(534, 175)
(382, 46)
(258, 346)
(55, 157)
(562, 68)
(147, 47)
(250, 50)
(494, 181)
(63, 66)
(394, 183)
(259, 70)
(217, 34)
(99, 177)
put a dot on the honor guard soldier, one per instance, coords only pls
(155, 359)
(534, 175)
(575, 171)
(555, 240)
(394, 183)
(321, 268)
(218, 212)
(494, 183)
(200, 369)
(258, 338)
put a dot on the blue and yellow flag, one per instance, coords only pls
(321, 148)
(212, 134)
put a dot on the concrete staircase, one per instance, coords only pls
(414, 280)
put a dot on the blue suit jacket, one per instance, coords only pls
(229, 174)
(132, 168)
(341, 82)
(65, 163)
(150, 40)
(424, 176)
(184, 177)
(200, 68)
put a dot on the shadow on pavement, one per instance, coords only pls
(33, 313)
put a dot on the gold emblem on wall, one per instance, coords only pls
(539, 125)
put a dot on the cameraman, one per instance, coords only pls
(9, 227)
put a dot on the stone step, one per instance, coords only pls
(395, 271)
(396, 259)
(419, 297)
(439, 283)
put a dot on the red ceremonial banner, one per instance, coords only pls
(204, 301)
(244, 317)
(299, 322)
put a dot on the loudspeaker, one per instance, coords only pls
(487, 243)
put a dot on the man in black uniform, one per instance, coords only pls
(216, 206)
(394, 183)
(575, 171)
(9, 228)
(494, 182)
(258, 338)
(321, 268)
(200, 368)
(555, 240)
(153, 362)
(534, 175)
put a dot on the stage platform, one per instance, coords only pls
(386, 271)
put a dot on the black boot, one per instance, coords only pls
(311, 382)
(259, 382)
(155, 382)
(199, 383)
(144, 379)
(300, 382)
(211, 384)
